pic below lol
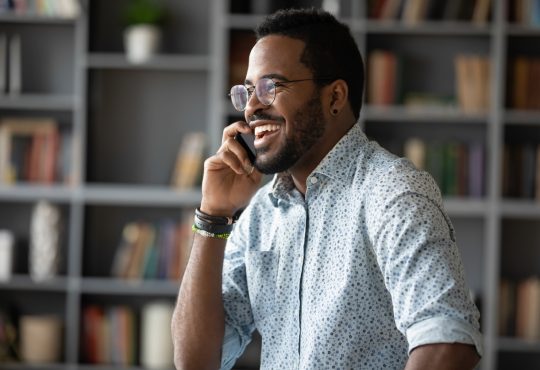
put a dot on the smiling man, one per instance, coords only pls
(347, 258)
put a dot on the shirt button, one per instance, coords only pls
(313, 180)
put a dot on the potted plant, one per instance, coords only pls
(142, 36)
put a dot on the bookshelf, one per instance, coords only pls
(127, 121)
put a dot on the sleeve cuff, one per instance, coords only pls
(443, 330)
(234, 345)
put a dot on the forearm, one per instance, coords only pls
(443, 356)
(198, 322)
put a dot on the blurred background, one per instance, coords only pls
(108, 109)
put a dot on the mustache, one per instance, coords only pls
(265, 117)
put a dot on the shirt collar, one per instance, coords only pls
(338, 164)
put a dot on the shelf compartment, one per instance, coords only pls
(161, 62)
(140, 195)
(30, 101)
(110, 286)
(132, 139)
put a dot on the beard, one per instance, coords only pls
(308, 128)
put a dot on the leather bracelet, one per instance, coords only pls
(220, 220)
(215, 228)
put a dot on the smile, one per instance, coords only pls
(260, 131)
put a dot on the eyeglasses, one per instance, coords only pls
(265, 89)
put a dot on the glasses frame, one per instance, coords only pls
(253, 89)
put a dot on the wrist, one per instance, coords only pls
(216, 211)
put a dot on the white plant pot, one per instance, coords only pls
(142, 42)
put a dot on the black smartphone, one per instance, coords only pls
(246, 140)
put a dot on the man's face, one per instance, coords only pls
(288, 129)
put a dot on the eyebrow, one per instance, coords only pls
(276, 76)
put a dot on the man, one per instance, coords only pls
(346, 259)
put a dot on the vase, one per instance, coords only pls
(142, 42)
(45, 230)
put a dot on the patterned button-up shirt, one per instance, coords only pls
(353, 275)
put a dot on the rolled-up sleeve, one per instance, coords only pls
(416, 250)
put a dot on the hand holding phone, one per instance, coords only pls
(246, 140)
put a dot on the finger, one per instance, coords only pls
(234, 128)
(235, 147)
(231, 160)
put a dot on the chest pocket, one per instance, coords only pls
(261, 271)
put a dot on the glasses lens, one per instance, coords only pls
(265, 90)
(239, 97)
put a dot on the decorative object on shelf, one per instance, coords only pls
(6, 254)
(142, 37)
(45, 232)
(156, 341)
(40, 340)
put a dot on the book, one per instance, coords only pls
(528, 309)
(189, 161)
(415, 151)
(415, 11)
(382, 78)
(481, 11)
(15, 66)
(39, 159)
(3, 63)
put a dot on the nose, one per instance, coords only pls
(253, 105)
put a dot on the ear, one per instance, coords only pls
(338, 93)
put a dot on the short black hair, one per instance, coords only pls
(330, 49)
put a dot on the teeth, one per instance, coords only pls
(259, 130)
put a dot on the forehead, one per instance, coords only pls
(277, 55)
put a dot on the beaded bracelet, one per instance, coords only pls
(208, 234)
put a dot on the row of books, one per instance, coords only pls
(10, 64)
(118, 335)
(154, 251)
(56, 8)
(525, 12)
(519, 308)
(34, 150)
(457, 167)
(415, 11)
(109, 335)
(521, 171)
(525, 91)
(385, 83)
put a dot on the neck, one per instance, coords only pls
(310, 160)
